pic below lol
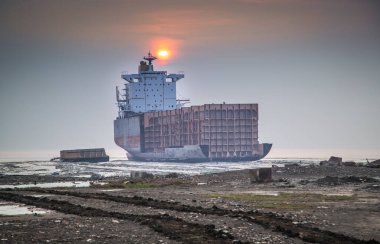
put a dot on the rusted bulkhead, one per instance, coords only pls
(222, 130)
(84, 155)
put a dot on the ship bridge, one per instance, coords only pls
(148, 90)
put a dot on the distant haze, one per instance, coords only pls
(313, 66)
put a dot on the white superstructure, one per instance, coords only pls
(148, 90)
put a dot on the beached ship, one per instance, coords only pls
(152, 125)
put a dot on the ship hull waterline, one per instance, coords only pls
(130, 135)
(141, 158)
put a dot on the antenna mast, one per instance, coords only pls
(150, 58)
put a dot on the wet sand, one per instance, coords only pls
(323, 204)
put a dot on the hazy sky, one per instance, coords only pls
(312, 65)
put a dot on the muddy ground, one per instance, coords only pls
(308, 204)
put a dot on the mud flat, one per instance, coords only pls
(303, 204)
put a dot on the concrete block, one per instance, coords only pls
(335, 160)
(260, 175)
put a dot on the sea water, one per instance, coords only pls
(122, 167)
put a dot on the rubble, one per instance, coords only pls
(291, 165)
(349, 163)
(260, 175)
(374, 164)
(141, 175)
(335, 181)
(333, 161)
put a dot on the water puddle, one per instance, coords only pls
(49, 185)
(110, 190)
(347, 194)
(41, 195)
(8, 209)
(262, 193)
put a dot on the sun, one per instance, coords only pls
(163, 54)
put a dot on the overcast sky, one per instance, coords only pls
(313, 66)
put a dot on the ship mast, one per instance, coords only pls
(150, 58)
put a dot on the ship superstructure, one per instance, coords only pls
(152, 125)
(148, 90)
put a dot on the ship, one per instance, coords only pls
(153, 125)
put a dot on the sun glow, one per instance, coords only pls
(163, 54)
(165, 49)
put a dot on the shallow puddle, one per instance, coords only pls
(41, 195)
(49, 185)
(263, 193)
(108, 190)
(8, 209)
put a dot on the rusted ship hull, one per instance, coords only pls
(93, 155)
(210, 132)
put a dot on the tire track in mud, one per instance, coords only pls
(268, 220)
(171, 227)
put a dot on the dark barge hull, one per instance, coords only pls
(92, 155)
(90, 160)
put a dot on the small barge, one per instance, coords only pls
(92, 155)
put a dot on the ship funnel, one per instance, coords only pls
(143, 67)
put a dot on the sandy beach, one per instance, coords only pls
(323, 204)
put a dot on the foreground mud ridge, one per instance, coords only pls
(171, 227)
(175, 228)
